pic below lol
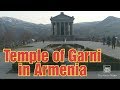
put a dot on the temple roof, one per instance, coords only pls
(62, 17)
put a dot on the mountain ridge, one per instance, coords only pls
(108, 26)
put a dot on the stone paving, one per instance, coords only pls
(5, 67)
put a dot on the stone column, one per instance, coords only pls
(60, 28)
(56, 29)
(64, 29)
(71, 28)
(68, 28)
(53, 28)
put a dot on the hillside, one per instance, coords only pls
(108, 27)
(17, 27)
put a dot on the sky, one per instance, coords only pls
(43, 17)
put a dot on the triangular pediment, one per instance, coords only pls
(62, 16)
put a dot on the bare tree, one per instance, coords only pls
(9, 39)
(25, 37)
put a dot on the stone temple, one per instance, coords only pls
(62, 27)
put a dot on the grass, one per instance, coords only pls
(32, 66)
(106, 60)
(76, 46)
(67, 47)
(53, 45)
(1, 50)
(21, 47)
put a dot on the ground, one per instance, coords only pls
(5, 67)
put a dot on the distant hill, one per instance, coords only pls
(109, 26)
(17, 27)
(109, 21)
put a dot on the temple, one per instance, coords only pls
(62, 26)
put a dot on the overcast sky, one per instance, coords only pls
(43, 17)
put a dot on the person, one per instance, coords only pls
(113, 42)
(104, 40)
(43, 41)
(93, 38)
(108, 41)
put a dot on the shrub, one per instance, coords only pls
(32, 66)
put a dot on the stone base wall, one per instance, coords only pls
(62, 38)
